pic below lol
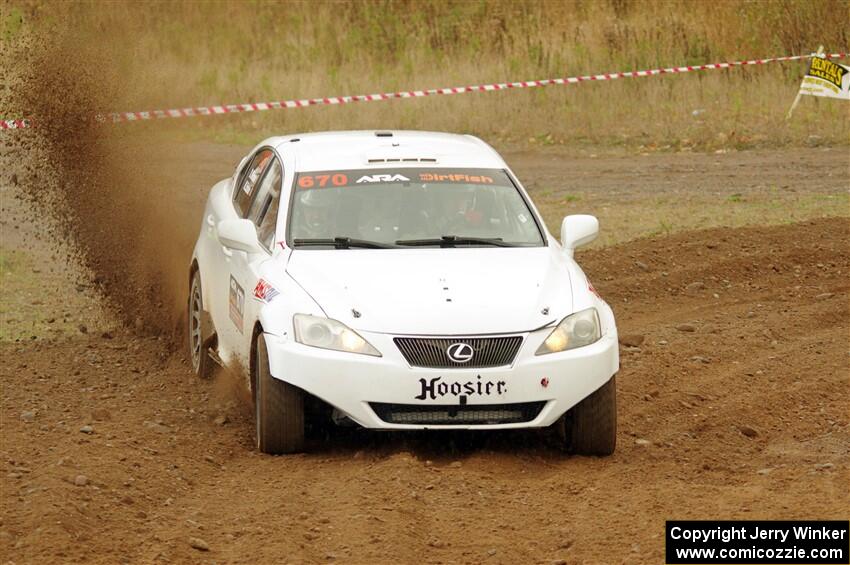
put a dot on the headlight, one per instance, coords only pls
(576, 330)
(330, 334)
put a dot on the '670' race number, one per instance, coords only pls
(322, 180)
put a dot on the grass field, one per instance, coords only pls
(140, 56)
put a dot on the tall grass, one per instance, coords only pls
(177, 54)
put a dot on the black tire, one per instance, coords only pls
(278, 408)
(590, 428)
(201, 334)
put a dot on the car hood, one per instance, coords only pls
(457, 291)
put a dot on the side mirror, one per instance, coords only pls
(578, 230)
(239, 234)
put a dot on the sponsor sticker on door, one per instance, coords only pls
(237, 303)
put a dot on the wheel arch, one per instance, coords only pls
(193, 268)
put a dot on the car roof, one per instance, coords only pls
(340, 150)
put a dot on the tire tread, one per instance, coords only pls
(280, 414)
(593, 422)
(206, 366)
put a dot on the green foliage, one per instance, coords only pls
(8, 262)
(664, 227)
(12, 23)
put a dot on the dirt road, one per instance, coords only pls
(734, 405)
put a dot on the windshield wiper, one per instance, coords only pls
(453, 240)
(343, 243)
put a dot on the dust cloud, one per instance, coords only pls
(104, 188)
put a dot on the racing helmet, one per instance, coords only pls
(316, 199)
(315, 210)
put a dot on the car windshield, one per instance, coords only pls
(410, 207)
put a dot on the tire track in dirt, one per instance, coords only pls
(744, 417)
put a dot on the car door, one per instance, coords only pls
(227, 309)
(262, 210)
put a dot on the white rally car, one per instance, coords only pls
(399, 280)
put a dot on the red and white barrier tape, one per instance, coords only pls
(14, 124)
(334, 100)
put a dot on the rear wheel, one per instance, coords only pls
(278, 406)
(590, 428)
(200, 331)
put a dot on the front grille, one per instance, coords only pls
(432, 352)
(446, 415)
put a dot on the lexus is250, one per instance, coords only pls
(399, 280)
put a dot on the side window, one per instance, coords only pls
(247, 182)
(263, 209)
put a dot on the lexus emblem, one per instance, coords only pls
(460, 352)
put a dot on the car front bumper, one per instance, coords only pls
(353, 383)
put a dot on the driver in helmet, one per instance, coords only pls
(314, 208)
(457, 213)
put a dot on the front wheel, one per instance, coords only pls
(278, 407)
(590, 427)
